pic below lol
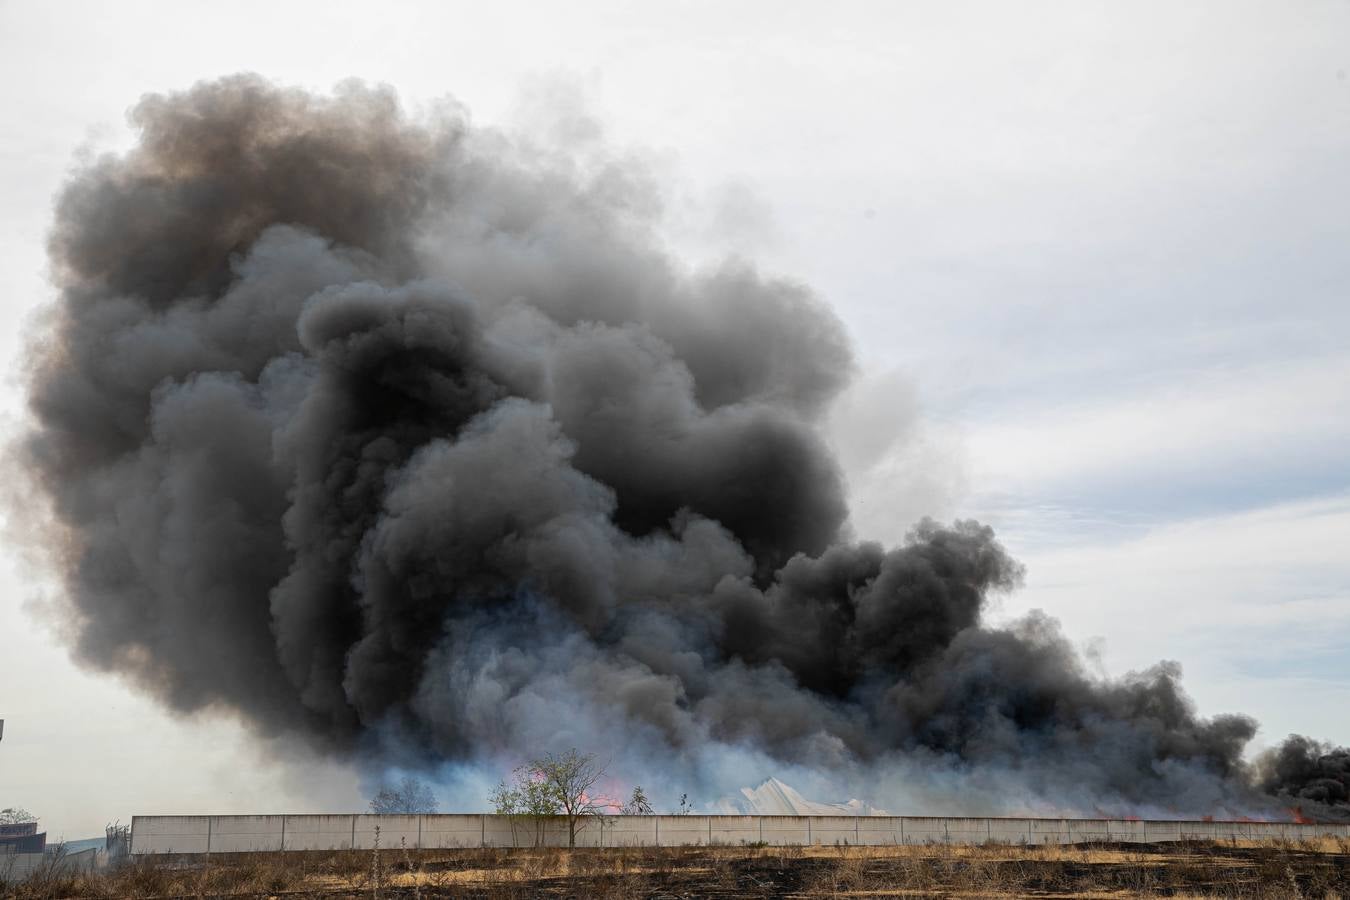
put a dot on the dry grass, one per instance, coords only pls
(1280, 869)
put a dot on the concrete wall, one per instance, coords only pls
(237, 834)
(15, 867)
(171, 834)
(317, 832)
(454, 831)
(631, 831)
(245, 834)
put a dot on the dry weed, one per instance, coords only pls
(1275, 869)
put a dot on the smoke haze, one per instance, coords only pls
(405, 441)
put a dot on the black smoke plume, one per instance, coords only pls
(401, 439)
(1309, 774)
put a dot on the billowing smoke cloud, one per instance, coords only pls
(395, 438)
(1310, 774)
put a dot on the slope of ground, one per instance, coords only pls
(1269, 870)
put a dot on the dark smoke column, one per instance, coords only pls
(400, 441)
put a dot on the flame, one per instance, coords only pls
(605, 797)
(602, 801)
(1296, 815)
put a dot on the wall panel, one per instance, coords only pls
(238, 834)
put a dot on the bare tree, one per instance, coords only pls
(14, 815)
(637, 805)
(526, 800)
(505, 800)
(570, 779)
(408, 796)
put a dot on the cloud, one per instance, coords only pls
(1254, 603)
(1220, 437)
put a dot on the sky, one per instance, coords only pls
(1092, 257)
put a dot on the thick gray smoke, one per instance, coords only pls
(395, 438)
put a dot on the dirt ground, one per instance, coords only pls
(1273, 869)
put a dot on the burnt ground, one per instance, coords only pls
(1267, 870)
